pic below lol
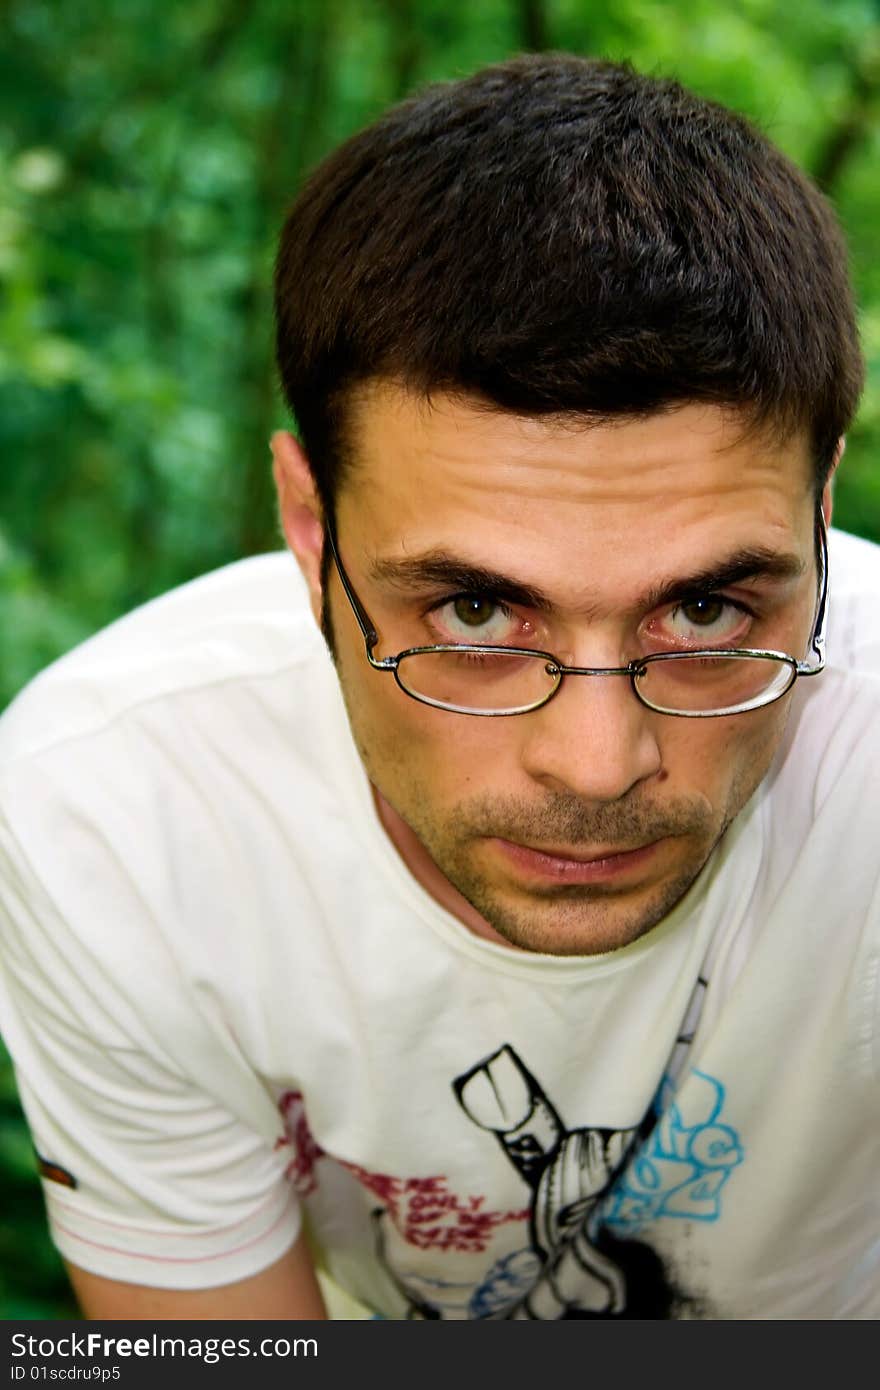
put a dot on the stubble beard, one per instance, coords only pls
(567, 919)
(562, 920)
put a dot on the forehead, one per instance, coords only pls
(453, 471)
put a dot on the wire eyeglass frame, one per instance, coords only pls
(635, 669)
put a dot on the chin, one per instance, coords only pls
(570, 926)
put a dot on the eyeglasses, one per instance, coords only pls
(492, 681)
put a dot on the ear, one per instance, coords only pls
(828, 490)
(302, 517)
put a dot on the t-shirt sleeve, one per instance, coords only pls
(160, 1151)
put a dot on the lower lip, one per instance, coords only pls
(552, 869)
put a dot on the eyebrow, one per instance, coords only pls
(438, 568)
(749, 564)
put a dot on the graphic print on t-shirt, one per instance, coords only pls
(579, 1268)
(587, 1194)
(588, 1264)
(568, 1171)
(687, 1159)
(589, 1191)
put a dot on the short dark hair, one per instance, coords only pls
(565, 236)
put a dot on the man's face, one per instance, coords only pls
(574, 828)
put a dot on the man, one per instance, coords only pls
(528, 946)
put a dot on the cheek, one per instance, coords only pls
(396, 737)
(409, 746)
(723, 759)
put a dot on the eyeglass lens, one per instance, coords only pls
(495, 682)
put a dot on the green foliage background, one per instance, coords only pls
(147, 152)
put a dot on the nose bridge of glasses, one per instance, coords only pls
(632, 669)
(593, 737)
(609, 701)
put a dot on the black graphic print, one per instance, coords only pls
(584, 1272)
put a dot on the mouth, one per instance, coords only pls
(596, 865)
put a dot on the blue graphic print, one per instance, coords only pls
(509, 1280)
(684, 1165)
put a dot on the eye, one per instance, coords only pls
(703, 612)
(475, 618)
(474, 610)
(706, 620)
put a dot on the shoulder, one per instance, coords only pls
(855, 560)
(823, 792)
(821, 799)
(174, 782)
(854, 602)
(185, 738)
(839, 723)
(246, 622)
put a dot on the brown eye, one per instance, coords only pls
(708, 620)
(475, 618)
(703, 612)
(474, 610)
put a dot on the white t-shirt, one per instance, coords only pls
(229, 1002)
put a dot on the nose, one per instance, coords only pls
(594, 738)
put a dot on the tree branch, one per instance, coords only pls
(857, 120)
(534, 25)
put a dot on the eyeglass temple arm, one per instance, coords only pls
(371, 636)
(818, 639)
